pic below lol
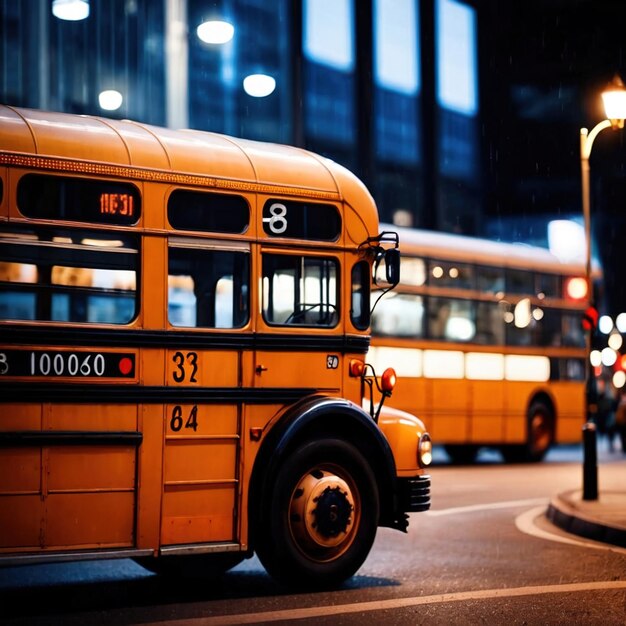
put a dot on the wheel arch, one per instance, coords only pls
(315, 418)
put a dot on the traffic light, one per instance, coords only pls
(590, 319)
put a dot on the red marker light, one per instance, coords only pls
(590, 319)
(125, 365)
(357, 367)
(388, 380)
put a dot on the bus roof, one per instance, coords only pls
(207, 158)
(462, 248)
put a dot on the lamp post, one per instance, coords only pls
(614, 97)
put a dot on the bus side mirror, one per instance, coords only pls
(387, 268)
(392, 266)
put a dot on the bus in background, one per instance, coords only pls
(487, 342)
(184, 320)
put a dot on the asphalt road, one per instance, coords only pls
(484, 554)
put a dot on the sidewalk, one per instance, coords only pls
(603, 519)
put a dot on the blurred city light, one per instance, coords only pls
(614, 98)
(110, 100)
(522, 314)
(70, 10)
(615, 340)
(619, 379)
(576, 288)
(609, 356)
(605, 324)
(595, 358)
(259, 85)
(566, 240)
(215, 32)
(620, 322)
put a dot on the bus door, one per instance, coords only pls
(301, 312)
(208, 312)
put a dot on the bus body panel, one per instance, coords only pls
(487, 410)
(136, 431)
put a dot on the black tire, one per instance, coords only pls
(464, 454)
(539, 436)
(319, 518)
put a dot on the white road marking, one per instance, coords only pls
(487, 506)
(396, 603)
(526, 523)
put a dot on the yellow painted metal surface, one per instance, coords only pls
(194, 410)
(402, 431)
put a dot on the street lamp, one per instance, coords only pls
(614, 97)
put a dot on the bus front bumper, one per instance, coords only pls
(414, 493)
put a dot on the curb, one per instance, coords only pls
(568, 518)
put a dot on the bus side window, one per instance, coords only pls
(550, 285)
(573, 334)
(520, 281)
(359, 310)
(300, 291)
(490, 279)
(208, 288)
(68, 276)
(451, 319)
(448, 274)
(398, 314)
(16, 301)
(489, 324)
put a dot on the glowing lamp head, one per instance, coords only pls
(110, 100)
(215, 32)
(70, 10)
(614, 97)
(259, 85)
(388, 380)
(425, 450)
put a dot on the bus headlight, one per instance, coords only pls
(424, 451)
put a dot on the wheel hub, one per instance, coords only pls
(322, 510)
(332, 513)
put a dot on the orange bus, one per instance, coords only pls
(184, 321)
(487, 342)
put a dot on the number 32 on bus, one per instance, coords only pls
(184, 320)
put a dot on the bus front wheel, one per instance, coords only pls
(319, 521)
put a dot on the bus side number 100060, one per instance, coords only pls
(59, 363)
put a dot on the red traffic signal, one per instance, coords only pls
(590, 318)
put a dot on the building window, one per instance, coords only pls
(397, 80)
(241, 87)
(456, 57)
(457, 137)
(329, 59)
(60, 65)
(397, 109)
